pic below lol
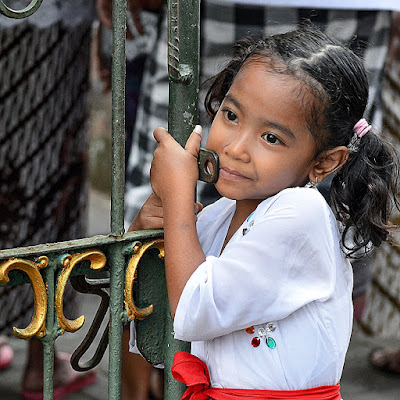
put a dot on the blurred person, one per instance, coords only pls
(387, 359)
(44, 81)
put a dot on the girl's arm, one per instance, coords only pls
(174, 174)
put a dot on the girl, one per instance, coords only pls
(261, 286)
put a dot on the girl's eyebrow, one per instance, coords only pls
(284, 129)
(230, 98)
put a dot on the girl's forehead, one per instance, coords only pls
(270, 72)
(264, 70)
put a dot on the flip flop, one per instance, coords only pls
(6, 355)
(386, 360)
(76, 382)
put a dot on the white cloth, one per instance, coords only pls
(288, 270)
(331, 4)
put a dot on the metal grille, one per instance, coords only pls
(137, 283)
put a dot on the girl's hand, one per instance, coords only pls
(150, 215)
(174, 169)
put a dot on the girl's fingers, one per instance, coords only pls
(192, 145)
(198, 207)
(161, 134)
(194, 141)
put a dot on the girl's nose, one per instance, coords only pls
(239, 148)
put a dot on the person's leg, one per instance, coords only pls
(136, 372)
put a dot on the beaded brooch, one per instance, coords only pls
(249, 226)
(263, 332)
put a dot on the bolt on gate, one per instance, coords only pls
(137, 289)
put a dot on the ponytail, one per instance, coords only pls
(364, 191)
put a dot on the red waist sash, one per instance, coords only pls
(193, 372)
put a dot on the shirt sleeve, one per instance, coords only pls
(285, 261)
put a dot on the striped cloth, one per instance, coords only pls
(44, 81)
(222, 24)
(382, 313)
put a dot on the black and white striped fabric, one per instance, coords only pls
(44, 82)
(221, 24)
(382, 312)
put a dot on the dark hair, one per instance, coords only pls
(363, 190)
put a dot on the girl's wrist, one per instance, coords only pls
(178, 199)
(184, 192)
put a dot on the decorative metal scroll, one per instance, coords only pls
(23, 13)
(138, 250)
(97, 261)
(38, 322)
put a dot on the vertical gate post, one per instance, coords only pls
(183, 67)
(117, 197)
(49, 338)
(183, 71)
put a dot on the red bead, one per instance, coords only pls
(255, 342)
(250, 329)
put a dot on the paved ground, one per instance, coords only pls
(360, 381)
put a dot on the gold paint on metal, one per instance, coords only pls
(132, 311)
(37, 325)
(97, 261)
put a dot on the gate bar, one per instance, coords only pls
(117, 197)
(183, 71)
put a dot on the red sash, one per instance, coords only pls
(193, 372)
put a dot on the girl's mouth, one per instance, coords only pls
(230, 174)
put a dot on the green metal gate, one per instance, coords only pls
(137, 281)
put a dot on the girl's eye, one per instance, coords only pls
(271, 138)
(230, 115)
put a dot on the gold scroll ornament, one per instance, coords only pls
(38, 323)
(139, 249)
(97, 261)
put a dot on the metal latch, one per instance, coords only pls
(208, 164)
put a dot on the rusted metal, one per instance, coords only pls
(208, 163)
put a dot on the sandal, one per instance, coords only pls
(386, 360)
(6, 354)
(75, 382)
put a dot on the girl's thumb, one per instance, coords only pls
(194, 141)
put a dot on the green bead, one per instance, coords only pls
(271, 343)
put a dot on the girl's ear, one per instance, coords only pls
(327, 162)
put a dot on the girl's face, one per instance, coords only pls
(261, 136)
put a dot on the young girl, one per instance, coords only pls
(260, 284)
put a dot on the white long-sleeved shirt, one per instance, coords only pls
(283, 270)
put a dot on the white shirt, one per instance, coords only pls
(287, 270)
(330, 4)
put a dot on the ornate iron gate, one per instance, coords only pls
(49, 267)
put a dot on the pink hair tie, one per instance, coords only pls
(361, 128)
